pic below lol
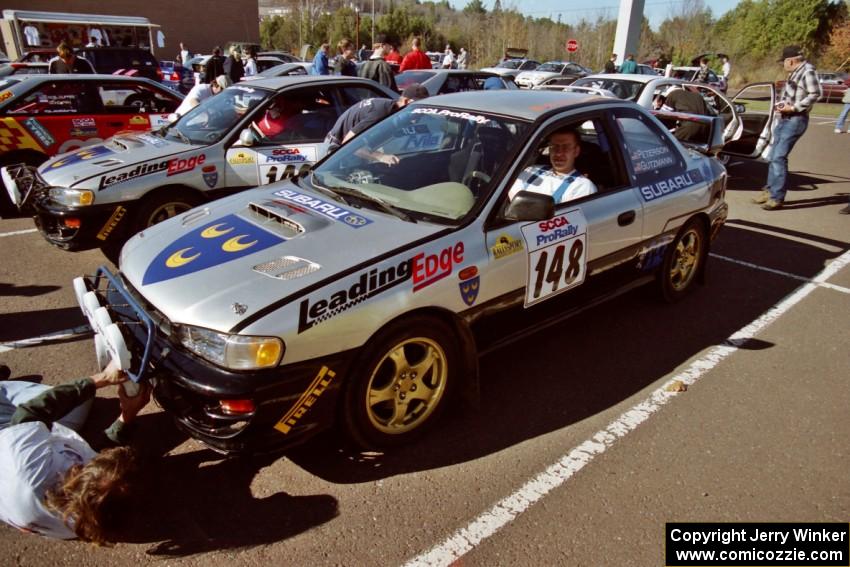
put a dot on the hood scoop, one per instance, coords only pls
(112, 162)
(267, 215)
(287, 268)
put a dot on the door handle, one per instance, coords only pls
(627, 218)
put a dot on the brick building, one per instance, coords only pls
(199, 24)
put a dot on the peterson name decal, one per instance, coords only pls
(671, 185)
(213, 244)
(369, 284)
(306, 401)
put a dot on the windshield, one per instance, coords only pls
(208, 122)
(510, 64)
(443, 161)
(621, 88)
(410, 77)
(551, 67)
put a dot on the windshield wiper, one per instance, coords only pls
(185, 139)
(324, 190)
(386, 207)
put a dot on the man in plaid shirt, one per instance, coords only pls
(802, 90)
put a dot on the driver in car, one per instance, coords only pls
(561, 179)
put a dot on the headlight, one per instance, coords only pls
(237, 352)
(71, 197)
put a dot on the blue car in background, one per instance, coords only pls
(177, 77)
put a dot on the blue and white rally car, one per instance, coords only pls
(363, 293)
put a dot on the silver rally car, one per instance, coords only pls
(363, 293)
(101, 195)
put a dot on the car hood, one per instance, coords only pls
(119, 152)
(218, 264)
(499, 70)
(536, 75)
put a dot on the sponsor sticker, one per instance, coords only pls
(324, 208)
(470, 282)
(86, 122)
(477, 118)
(671, 185)
(39, 131)
(159, 120)
(210, 175)
(6, 95)
(295, 155)
(241, 158)
(83, 132)
(305, 402)
(84, 154)
(155, 141)
(320, 308)
(213, 244)
(139, 120)
(113, 221)
(182, 165)
(557, 255)
(430, 268)
(140, 170)
(505, 246)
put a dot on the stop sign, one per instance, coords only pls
(572, 45)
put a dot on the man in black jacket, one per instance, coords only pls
(215, 66)
(377, 69)
(233, 66)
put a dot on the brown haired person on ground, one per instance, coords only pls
(51, 481)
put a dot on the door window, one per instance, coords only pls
(303, 116)
(650, 154)
(60, 97)
(352, 95)
(121, 97)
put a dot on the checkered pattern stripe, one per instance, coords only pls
(13, 136)
(340, 309)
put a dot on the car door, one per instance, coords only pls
(549, 257)
(724, 107)
(132, 106)
(755, 105)
(658, 169)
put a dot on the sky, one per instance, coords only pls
(572, 11)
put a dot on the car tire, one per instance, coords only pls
(683, 261)
(405, 375)
(161, 206)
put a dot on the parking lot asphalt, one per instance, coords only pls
(578, 454)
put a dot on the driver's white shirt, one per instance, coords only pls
(562, 187)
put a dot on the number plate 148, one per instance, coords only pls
(555, 269)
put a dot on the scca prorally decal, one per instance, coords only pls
(290, 155)
(368, 284)
(324, 208)
(429, 268)
(671, 185)
(306, 401)
(477, 118)
(212, 244)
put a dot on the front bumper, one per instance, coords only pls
(78, 228)
(287, 405)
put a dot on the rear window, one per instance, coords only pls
(108, 61)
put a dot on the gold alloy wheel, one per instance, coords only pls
(407, 385)
(167, 210)
(686, 257)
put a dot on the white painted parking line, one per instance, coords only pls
(781, 273)
(17, 232)
(48, 338)
(792, 237)
(502, 513)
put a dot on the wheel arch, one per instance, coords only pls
(28, 156)
(469, 387)
(172, 188)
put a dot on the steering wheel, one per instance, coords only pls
(362, 176)
(476, 174)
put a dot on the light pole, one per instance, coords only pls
(373, 22)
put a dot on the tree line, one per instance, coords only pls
(752, 34)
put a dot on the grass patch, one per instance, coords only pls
(829, 110)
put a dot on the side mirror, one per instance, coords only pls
(247, 138)
(740, 108)
(530, 206)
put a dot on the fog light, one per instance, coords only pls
(71, 222)
(237, 407)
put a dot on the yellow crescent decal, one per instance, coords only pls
(233, 245)
(177, 259)
(214, 232)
